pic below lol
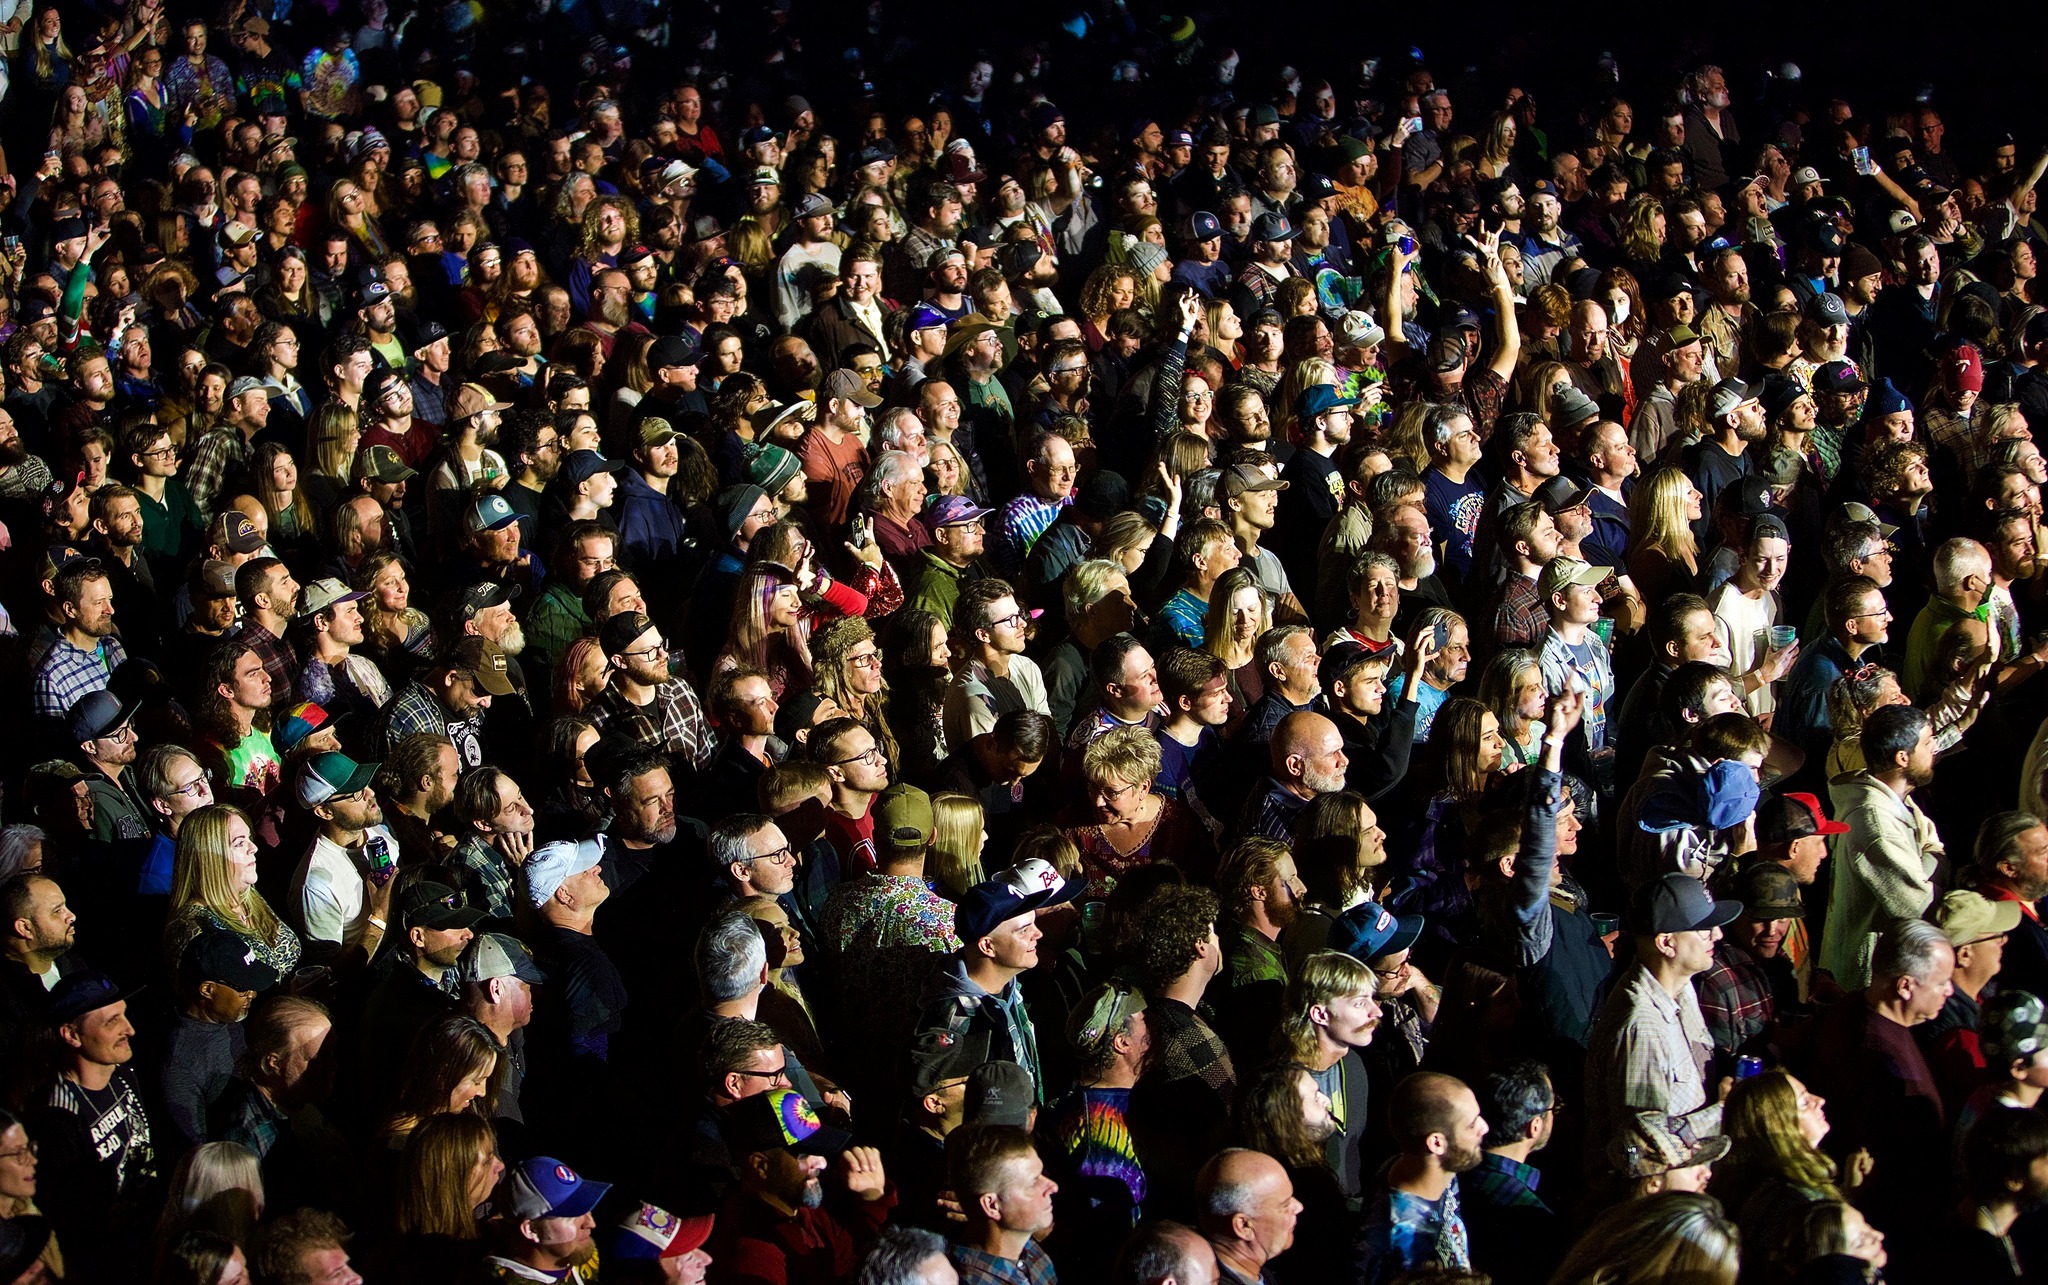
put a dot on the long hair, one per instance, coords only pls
(218, 1188)
(1671, 1236)
(1639, 239)
(1657, 515)
(832, 678)
(295, 515)
(196, 1258)
(1216, 621)
(1269, 1118)
(200, 873)
(1326, 976)
(444, 1054)
(955, 856)
(1454, 748)
(1502, 683)
(433, 1178)
(748, 637)
(1327, 849)
(1762, 1121)
(331, 437)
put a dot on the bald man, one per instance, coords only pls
(1248, 1210)
(1164, 1252)
(1307, 759)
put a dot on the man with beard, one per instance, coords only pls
(342, 888)
(449, 698)
(102, 729)
(468, 457)
(117, 542)
(85, 651)
(497, 837)
(1516, 1238)
(1404, 536)
(270, 598)
(417, 983)
(780, 1213)
(531, 446)
(387, 401)
(1315, 488)
(545, 1234)
(376, 308)
(519, 328)
(1735, 420)
(654, 534)
(1307, 760)
(1729, 320)
(227, 448)
(1414, 1222)
(643, 702)
(381, 476)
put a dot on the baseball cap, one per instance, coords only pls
(958, 168)
(1825, 238)
(544, 1187)
(1009, 893)
(1367, 932)
(426, 334)
(1900, 222)
(1204, 226)
(1964, 367)
(332, 775)
(324, 593)
(1789, 817)
(484, 661)
(809, 206)
(1727, 395)
(554, 864)
(903, 818)
(490, 513)
(2011, 1026)
(952, 510)
(435, 905)
(227, 959)
(781, 1118)
(212, 580)
(1317, 399)
(673, 351)
(480, 596)
(244, 386)
(619, 632)
(847, 387)
(1767, 890)
(493, 955)
(98, 714)
(1652, 1142)
(1562, 495)
(651, 1234)
(81, 993)
(1680, 336)
(1679, 903)
(1000, 1092)
(1249, 477)
(925, 317)
(295, 724)
(1561, 573)
(1748, 497)
(1716, 798)
(1856, 511)
(581, 466)
(382, 464)
(1358, 330)
(1827, 310)
(234, 530)
(1018, 258)
(1095, 1019)
(472, 400)
(939, 1055)
(655, 431)
(1807, 174)
(371, 293)
(1965, 916)
(1273, 227)
(1446, 353)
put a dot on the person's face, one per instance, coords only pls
(1761, 937)
(1764, 561)
(1352, 1019)
(104, 1034)
(1455, 659)
(53, 925)
(864, 668)
(17, 1164)
(862, 764)
(1014, 943)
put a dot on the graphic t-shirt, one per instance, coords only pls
(1454, 509)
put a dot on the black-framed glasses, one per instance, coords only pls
(774, 1073)
(781, 856)
(1007, 621)
(872, 754)
(660, 648)
(866, 660)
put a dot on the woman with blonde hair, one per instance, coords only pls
(349, 208)
(332, 435)
(1775, 1168)
(947, 473)
(217, 1187)
(1674, 1236)
(398, 635)
(1643, 227)
(847, 670)
(1225, 332)
(444, 1180)
(1497, 152)
(954, 863)
(213, 888)
(1664, 555)
(1237, 616)
(1129, 824)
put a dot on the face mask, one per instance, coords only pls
(1620, 306)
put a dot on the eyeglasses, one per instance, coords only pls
(866, 660)
(29, 1149)
(782, 856)
(160, 452)
(658, 649)
(872, 755)
(778, 1073)
(1007, 621)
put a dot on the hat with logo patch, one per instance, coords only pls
(544, 1187)
(1004, 896)
(781, 1118)
(1367, 932)
(1273, 227)
(84, 992)
(485, 662)
(952, 510)
(1837, 377)
(225, 959)
(1827, 309)
(652, 1234)
(1100, 1015)
(940, 1055)
(380, 464)
(488, 513)
(1000, 1092)
(1727, 395)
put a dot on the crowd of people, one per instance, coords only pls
(641, 653)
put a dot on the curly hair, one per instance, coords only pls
(1170, 930)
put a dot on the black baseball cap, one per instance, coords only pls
(1679, 903)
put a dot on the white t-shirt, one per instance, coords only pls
(329, 888)
(1744, 624)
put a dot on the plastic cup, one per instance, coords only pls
(1605, 924)
(1783, 636)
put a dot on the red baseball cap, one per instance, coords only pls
(1793, 816)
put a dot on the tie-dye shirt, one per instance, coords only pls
(1094, 1136)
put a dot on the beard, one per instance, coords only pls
(1421, 567)
(513, 640)
(1321, 1130)
(614, 311)
(1322, 782)
(1462, 1160)
(814, 1194)
(13, 452)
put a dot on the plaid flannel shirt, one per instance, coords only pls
(1648, 1052)
(673, 723)
(977, 1268)
(1186, 1047)
(218, 453)
(493, 879)
(1736, 998)
(67, 672)
(414, 710)
(1519, 620)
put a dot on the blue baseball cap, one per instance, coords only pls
(1367, 932)
(1717, 798)
(1204, 226)
(581, 466)
(926, 317)
(490, 513)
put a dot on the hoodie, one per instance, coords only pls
(952, 1002)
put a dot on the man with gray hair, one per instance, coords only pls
(1247, 1210)
(893, 492)
(902, 430)
(907, 1256)
(752, 856)
(1962, 584)
(1881, 1095)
